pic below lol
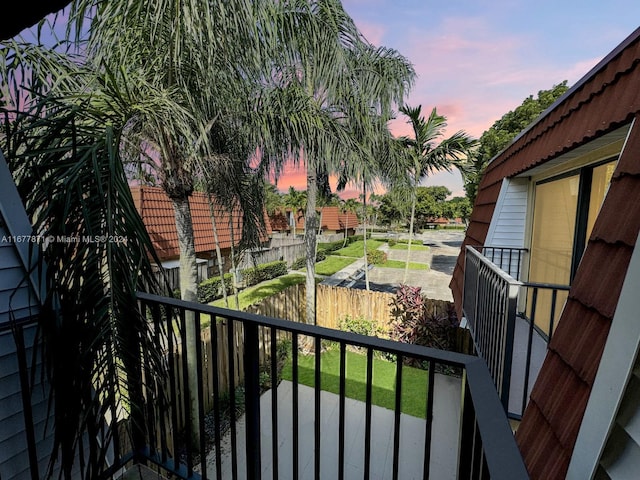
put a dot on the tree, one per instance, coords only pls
(501, 133)
(296, 200)
(69, 173)
(273, 200)
(394, 207)
(458, 207)
(335, 87)
(424, 154)
(350, 206)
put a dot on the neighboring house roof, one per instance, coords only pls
(279, 222)
(604, 100)
(332, 219)
(156, 210)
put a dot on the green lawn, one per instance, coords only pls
(356, 249)
(414, 381)
(332, 264)
(401, 264)
(254, 294)
(414, 247)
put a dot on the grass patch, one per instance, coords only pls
(414, 380)
(401, 264)
(356, 249)
(414, 247)
(254, 294)
(331, 265)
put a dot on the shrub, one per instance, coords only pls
(301, 262)
(376, 257)
(392, 242)
(211, 288)
(266, 271)
(414, 323)
(330, 247)
(358, 325)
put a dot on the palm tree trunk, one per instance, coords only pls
(218, 252)
(233, 260)
(413, 213)
(310, 244)
(188, 289)
(364, 238)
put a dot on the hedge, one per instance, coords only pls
(266, 271)
(211, 288)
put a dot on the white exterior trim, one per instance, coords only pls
(614, 371)
(509, 221)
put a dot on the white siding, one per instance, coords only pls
(16, 293)
(18, 300)
(508, 224)
(14, 460)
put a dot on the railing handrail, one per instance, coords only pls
(549, 286)
(495, 268)
(453, 359)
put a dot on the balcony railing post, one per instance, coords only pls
(252, 399)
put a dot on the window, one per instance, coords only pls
(564, 213)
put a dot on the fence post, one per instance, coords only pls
(252, 400)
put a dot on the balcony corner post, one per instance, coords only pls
(252, 400)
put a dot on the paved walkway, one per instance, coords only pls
(444, 247)
(443, 460)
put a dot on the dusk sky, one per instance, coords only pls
(478, 59)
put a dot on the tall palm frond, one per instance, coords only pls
(67, 168)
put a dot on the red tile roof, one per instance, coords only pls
(332, 219)
(279, 222)
(608, 98)
(156, 210)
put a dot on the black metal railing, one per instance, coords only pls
(481, 437)
(511, 321)
(489, 306)
(271, 436)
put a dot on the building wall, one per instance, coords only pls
(19, 302)
(508, 224)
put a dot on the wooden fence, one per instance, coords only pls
(333, 304)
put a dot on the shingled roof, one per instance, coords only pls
(607, 98)
(156, 210)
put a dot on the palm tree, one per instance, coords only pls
(335, 80)
(426, 153)
(69, 173)
(296, 200)
(350, 205)
(149, 70)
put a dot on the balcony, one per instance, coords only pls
(511, 321)
(286, 429)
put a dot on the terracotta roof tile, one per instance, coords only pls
(554, 393)
(331, 217)
(576, 349)
(598, 283)
(279, 222)
(539, 443)
(156, 210)
(623, 228)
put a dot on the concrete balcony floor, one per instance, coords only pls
(444, 445)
